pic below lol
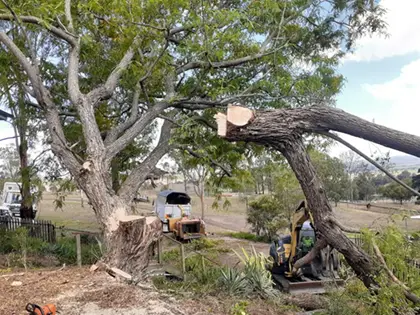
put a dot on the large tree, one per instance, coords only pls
(144, 60)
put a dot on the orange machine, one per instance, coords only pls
(49, 309)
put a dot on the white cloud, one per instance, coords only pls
(402, 94)
(400, 108)
(403, 29)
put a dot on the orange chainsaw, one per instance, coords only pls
(49, 309)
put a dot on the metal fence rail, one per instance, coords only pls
(40, 229)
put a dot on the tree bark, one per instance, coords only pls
(128, 238)
(26, 208)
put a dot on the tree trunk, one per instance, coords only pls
(202, 201)
(314, 191)
(128, 237)
(26, 207)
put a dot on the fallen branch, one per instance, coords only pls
(13, 275)
(409, 295)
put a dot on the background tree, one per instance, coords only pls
(333, 175)
(365, 187)
(353, 166)
(396, 192)
(178, 57)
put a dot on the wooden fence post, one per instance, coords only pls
(160, 250)
(79, 250)
(183, 261)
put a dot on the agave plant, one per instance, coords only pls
(255, 273)
(234, 282)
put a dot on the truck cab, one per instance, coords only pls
(12, 198)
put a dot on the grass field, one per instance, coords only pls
(73, 215)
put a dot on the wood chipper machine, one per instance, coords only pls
(312, 277)
(174, 210)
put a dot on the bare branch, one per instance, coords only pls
(140, 174)
(343, 227)
(71, 39)
(73, 67)
(67, 9)
(212, 162)
(319, 245)
(221, 64)
(105, 91)
(344, 142)
(131, 133)
(116, 132)
(8, 138)
(29, 69)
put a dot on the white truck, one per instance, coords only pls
(12, 199)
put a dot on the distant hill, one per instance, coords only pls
(405, 162)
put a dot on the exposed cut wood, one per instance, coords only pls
(118, 273)
(130, 244)
(239, 116)
(221, 120)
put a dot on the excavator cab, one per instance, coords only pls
(286, 251)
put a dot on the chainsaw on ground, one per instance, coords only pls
(49, 309)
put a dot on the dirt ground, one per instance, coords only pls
(77, 291)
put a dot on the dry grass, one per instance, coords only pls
(73, 215)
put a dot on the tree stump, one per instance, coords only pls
(129, 245)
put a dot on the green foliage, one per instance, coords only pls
(365, 187)
(397, 192)
(256, 274)
(240, 308)
(19, 243)
(267, 216)
(333, 175)
(399, 253)
(248, 236)
(204, 243)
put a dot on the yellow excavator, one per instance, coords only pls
(312, 277)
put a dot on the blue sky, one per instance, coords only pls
(383, 75)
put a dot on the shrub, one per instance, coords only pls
(267, 216)
(19, 245)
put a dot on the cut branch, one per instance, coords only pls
(273, 125)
